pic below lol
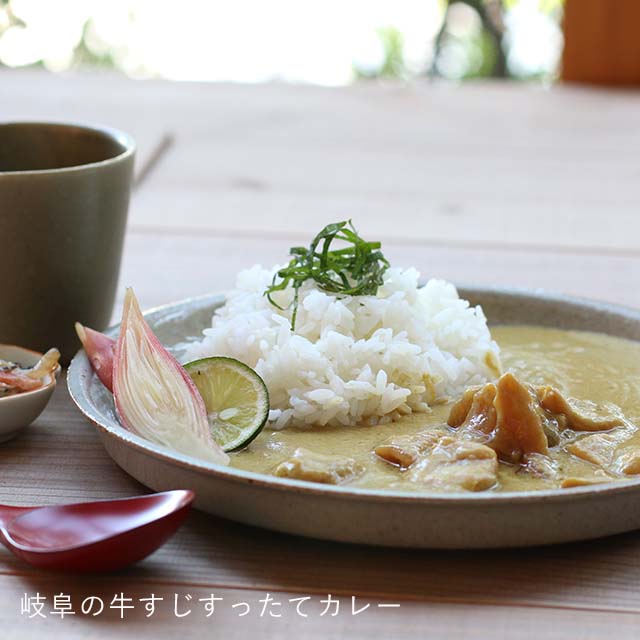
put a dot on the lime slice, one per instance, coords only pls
(236, 399)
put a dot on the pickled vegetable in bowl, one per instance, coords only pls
(17, 378)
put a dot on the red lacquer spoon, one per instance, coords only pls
(93, 536)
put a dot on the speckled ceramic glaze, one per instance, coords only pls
(374, 516)
(20, 410)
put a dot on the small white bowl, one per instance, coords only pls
(20, 410)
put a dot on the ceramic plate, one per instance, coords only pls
(374, 516)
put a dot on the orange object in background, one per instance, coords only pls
(602, 42)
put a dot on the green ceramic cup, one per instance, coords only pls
(64, 197)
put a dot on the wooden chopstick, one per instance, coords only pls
(152, 160)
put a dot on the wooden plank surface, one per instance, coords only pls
(453, 622)
(411, 165)
(490, 184)
(187, 264)
(477, 165)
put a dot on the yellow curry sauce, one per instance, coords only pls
(581, 365)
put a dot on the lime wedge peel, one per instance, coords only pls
(236, 399)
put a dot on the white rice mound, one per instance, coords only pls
(353, 359)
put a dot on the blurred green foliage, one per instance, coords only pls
(473, 41)
(480, 53)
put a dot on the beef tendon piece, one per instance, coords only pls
(571, 482)
(519, 428)
(482, 416)
(454, 464)
(317, 467)
(540, 466)
(517, 419)
(599, 448)
(460, 410)
(627, 461)
(581, 415)
(493, 363)
(502, 416)
(402, 451)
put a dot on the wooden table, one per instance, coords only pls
(493, 184)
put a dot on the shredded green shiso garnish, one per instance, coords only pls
(354, 270)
